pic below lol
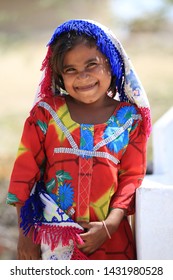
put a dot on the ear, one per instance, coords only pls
(112, 90)
(60, 82)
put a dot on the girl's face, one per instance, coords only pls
(86, 74)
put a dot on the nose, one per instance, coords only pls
(83, 75)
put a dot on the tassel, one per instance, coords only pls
(48, 232)
(146, 120)
(46, 83)
(53, 234)
(32, 211)
(78, 255)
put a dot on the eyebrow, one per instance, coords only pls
(94, 59)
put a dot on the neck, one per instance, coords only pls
(95, 113)
(102, 102)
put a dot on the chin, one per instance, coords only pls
(88, 101)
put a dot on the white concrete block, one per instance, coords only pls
(154, 218)
(163, 144)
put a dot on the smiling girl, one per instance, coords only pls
(83, 150)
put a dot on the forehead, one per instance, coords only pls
(82, 53)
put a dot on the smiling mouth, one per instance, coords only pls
(86, 87)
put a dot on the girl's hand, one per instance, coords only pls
(96, 233)
(93, 238)
(26, 249)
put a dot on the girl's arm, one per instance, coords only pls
(26, 172)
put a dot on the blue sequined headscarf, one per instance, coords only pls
(127, 83)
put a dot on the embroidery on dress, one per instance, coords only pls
(114, 124)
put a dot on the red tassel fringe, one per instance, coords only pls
(146, 118)
(52, 235)
(46, 83)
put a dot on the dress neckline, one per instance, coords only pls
(97, 124)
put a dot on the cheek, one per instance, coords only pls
(105, 75)
(105, 72)
(67, 81)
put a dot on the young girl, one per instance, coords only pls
(83, 150)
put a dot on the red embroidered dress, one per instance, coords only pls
(89, 169)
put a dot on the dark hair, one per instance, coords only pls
(64, 43)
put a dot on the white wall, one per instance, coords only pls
(154, 199)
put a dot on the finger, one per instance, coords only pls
(86, 249)
(81, 246)
(85, 225)
(84, 236)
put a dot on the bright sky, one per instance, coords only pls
(129, 9)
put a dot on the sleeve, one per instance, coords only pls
(132, 170)
(30, 158)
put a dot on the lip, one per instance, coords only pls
(86, 87)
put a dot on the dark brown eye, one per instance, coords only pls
(70, 71)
